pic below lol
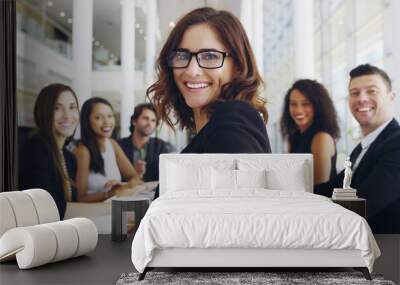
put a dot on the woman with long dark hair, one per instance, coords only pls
(309, 121)
(101, 161)
(44, 160)
(207, 78)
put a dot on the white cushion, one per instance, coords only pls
(251, 178)
(224, 179)
(174, 168)
(290, 181)
(23, 208)
(67, 240)
(87, 233)
(285, 173)
(289, 164)
(33, 246)
(188, 177)
(7, 217)
(26, 208)
(45, 206)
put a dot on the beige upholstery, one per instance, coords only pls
(31, 232)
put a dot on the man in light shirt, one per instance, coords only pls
(376, 160)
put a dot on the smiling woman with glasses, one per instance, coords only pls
(208, 79)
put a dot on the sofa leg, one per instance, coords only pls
(143, 274)
(364, 271)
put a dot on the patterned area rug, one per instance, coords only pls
(230, 278)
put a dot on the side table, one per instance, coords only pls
(357, 205)
(126, 216)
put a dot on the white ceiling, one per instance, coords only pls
(107, 17)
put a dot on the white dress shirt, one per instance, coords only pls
(367, 141)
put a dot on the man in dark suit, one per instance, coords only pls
(376, 160)
(142, 149)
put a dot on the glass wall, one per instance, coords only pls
(33, 22)
(44, 54)
(278, 62)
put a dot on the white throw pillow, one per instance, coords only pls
(251, 178)
(224, 179)
(188, 177)
(293, 180)
(281, 173)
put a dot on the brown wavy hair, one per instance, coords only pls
(246, 84)
(325, 117)
(43, 112)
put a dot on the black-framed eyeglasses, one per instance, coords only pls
(206, 58)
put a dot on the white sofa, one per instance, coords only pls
(31, 231)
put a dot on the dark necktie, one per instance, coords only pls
(354, 154)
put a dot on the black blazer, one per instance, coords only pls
(155, 147)
(234, 127)
(377, 179)
(37, 170)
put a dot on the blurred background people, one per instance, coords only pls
(142, 150)
(44, 161)
(309, 122)
(101, 163)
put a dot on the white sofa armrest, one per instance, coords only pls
(40, 244)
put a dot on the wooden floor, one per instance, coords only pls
(102, 266)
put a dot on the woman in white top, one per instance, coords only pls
(100, 160)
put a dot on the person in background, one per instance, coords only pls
(101, 163)
(44, 161)
(208, 79)
(376, 160)
(309, 122)
(142, 149)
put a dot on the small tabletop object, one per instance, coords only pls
(127, 214)
(348, 173)
(357, 205)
